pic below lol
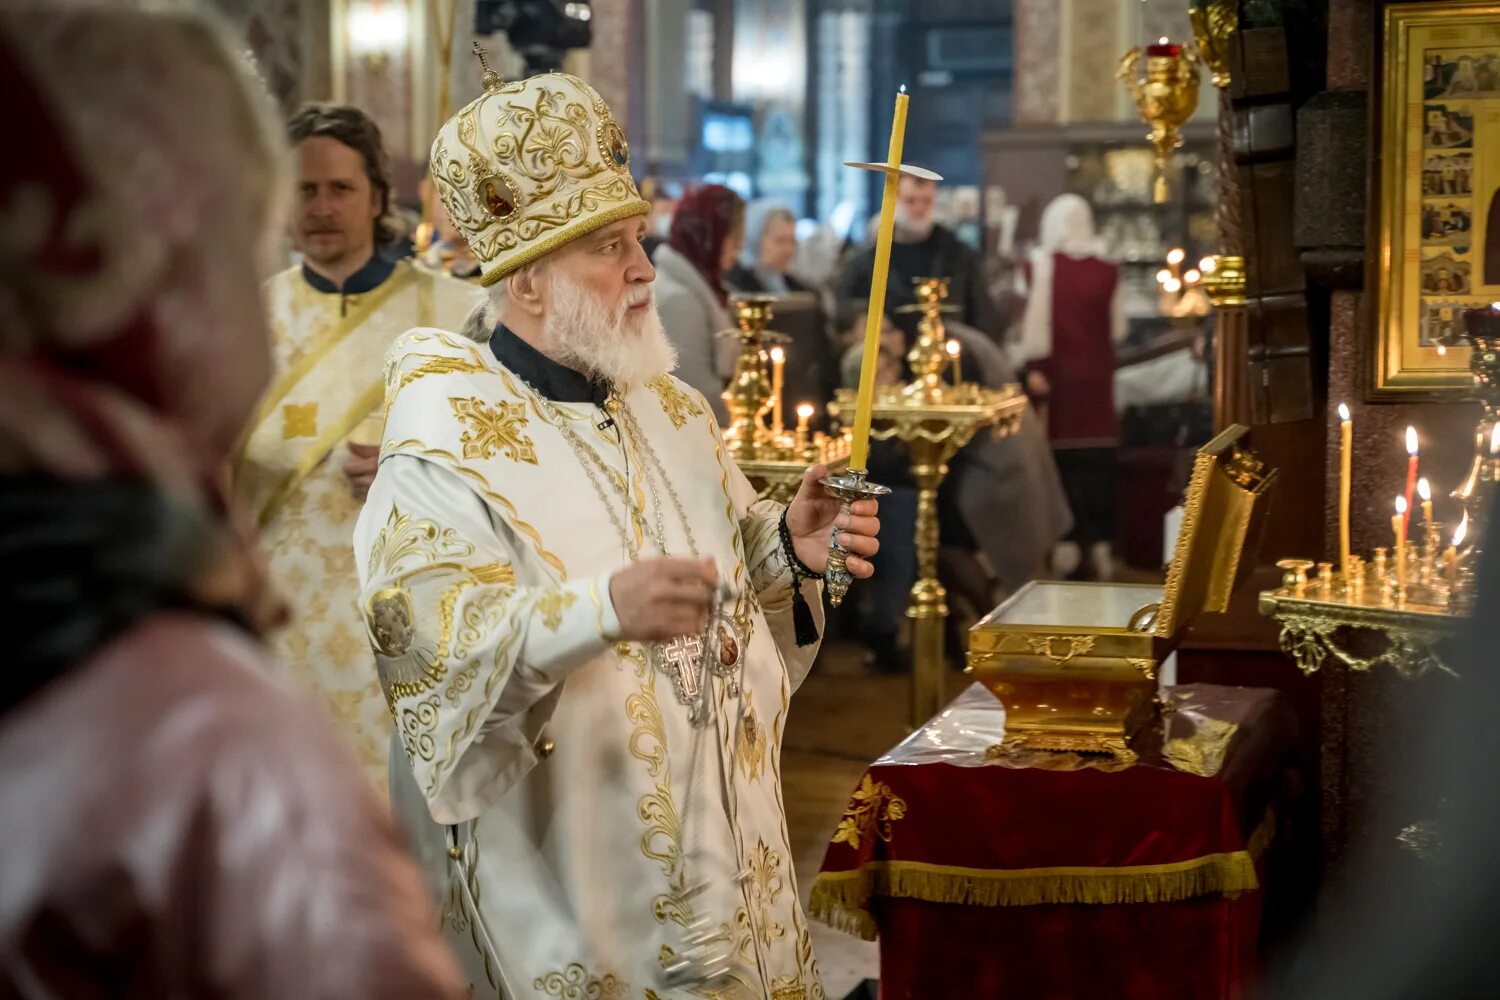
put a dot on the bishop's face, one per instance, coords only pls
(611, 264)
(336, 204)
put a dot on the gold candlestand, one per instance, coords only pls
(934, 419)
(774, 463)
(1377, 616)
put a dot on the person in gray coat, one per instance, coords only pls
(707, 232)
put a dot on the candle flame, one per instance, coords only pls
(1208, 265)
(804, 410)
(1411, 440)
(953, 347)
(1163, 276)
(902, 90)
(778, 355)
(1191, 277)
(1344, 413)
(1172, 285)
(1401, 505)
(1442, 350)
(1176, 255)
(1462, 532)
(1162, 40)
(1423, 489)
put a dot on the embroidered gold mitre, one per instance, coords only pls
(531, 165)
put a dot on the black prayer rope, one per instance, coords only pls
(803, 625)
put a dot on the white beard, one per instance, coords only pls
(624, 349)
(911, 230)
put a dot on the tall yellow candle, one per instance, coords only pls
(1398, 527)
(1346, 441)
(778, 366)
(865, 402)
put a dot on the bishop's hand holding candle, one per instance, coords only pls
(853, 486)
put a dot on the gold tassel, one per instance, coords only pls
(841, 899)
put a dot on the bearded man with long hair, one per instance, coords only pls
(587, 626)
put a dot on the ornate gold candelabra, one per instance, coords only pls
(1165, 96)
(934, 419)
(1400, 616)
(772, 459)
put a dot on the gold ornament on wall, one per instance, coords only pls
(1166, 97)
(1214, 24)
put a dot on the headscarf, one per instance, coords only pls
(130, 325)
(1067, 228)
(706, 217)
(759, 215)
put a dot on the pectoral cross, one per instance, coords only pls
(682, 659)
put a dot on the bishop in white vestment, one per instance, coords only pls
(583, 618)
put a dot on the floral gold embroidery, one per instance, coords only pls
(491, 430)
(873, 809)
(766, 884)
(299, 420)
(788, 988)
(575, 983)
(437, 364)
(1203, 752)
(551, 606)
(676, 404)
(750, 745)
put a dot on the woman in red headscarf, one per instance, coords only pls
(707, 233)
(175, 822)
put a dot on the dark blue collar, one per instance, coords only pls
(368, 278)
(558, 383)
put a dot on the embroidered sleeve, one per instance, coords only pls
(470, 662)
(771, 577)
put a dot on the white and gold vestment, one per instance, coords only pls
(559, 757)
(328, 349)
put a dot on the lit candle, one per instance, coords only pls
(1346, 440)
(778, 365)
(1450, 557)
(1425, 492)
(1398, 526)
(865, 403)
(1411, 472)
(804, 414)
(955, 352)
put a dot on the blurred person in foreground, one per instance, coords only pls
(1073, 320)
(176, 824)
(311, 448)
(588, 625)
(691, 297)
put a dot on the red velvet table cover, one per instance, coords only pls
(990, 876)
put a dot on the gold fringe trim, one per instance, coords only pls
(841, 899)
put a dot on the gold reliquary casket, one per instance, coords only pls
(1075, 663)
